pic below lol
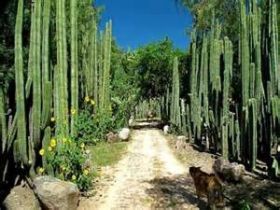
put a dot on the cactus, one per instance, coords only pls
(3, 124)
(105, 90)
(228, 56)
(46, 83)
(61, 70)
(21, 142)
(36, 78)
(74, 64)
(175, 106)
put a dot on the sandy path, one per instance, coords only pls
(148, 177)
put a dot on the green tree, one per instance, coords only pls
(154, 65)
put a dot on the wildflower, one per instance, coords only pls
(85, 172)
(74, 177)
(53, 143)
(42, 152)
(63, 168)
(92, 102)
(87, 99)
(49, 149)
(52, 119)
(73, 111)
(82, 145)
(41, 170)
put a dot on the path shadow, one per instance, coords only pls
(257, 193)
(174, 192)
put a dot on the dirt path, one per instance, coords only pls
(148, 177)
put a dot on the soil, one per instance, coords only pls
(154, 175)
(148, 177)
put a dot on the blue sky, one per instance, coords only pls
(138, 22)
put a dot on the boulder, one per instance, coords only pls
(124, 134)
(228, 171)
(112, 137)
(21, 198)
(165, 129)
(55, 194)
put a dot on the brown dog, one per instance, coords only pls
(208, 185)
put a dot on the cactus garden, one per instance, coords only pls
(78, 108)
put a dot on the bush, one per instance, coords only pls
(91, 125)
(68, 160)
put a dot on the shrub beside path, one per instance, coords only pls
(148, 177)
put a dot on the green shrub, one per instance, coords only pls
(68, 160)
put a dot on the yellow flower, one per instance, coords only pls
(87, 99)
(74, 177)
(73, 111)
(85, 172)
(92, 102)
(41, 170)
(52, 119)
(63, 168)
(82, 145)
(42, 152)
(49, 149)
(53, 143)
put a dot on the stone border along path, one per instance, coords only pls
(148, 177)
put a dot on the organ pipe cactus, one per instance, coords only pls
(175, 103)
(21, 142)
(36, 77)
(74, 64)
(61, 70)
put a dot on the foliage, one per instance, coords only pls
(68, 160)
(124, 78)
(154, 66)
(85, 125)
(224, 11)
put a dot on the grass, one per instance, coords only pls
(106, 154)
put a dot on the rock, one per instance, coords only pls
(165, 129)
(21, 198)
(55, 194)
(228, 171)
(124, 134)
(112, 137)
(180, 144)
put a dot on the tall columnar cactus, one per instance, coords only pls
(245, 57)
(36, 77)
(74, 64)
(274, 52)
(228, 59)
(175, 99)
(105, 103)
(3, 124)
(46, 83)
(61, 68)
(21, 142)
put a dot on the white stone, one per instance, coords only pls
(124, 134)
(165, 129)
